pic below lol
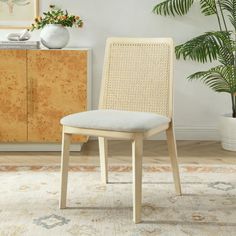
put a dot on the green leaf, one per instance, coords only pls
(230, 7)
(173, 7)
(208, 7)
(220, 78)
(226, 53)
(202, 48)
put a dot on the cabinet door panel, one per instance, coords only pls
(13, 96)
(57, 82)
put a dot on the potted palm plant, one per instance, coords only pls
(217, 45)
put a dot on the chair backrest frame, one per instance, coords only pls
(127, 44)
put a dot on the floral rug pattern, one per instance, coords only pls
(29, 202)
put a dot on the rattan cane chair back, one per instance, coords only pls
(137, 75)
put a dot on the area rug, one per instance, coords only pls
(29, 202)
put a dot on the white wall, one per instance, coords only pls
(196, 107)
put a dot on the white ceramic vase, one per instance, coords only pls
(227, 129)
(54, 36)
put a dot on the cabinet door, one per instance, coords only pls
(57, 86)
(13, 96)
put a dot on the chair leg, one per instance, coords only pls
(65, 155)
(137, 154)
(103, 152)
(173, 157)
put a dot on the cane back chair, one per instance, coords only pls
(136, 103)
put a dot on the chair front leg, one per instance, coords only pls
(137, 154)
(103, 153)
(65, 155)
(173, 157)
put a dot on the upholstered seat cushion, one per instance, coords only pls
(115, 120)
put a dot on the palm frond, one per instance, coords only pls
(202, 48)
(208, 7)
(230, 7)
(226, 53)
(173, 7)
(220, 78)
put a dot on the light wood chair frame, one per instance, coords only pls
(137, 150)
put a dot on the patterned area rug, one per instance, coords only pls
(29, 202)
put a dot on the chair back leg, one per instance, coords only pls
(171, 142)
(103, 153)
(65, 155)
(137, 155)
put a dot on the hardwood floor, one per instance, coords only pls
(155, 152)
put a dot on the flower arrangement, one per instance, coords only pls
(56, 16)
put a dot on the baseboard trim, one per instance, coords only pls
(29, 147)
(197, 133)
(203, 133)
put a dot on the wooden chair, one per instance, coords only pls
(135, 104)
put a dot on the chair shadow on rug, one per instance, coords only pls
(196, 209)
(169, 222)
(158, 222)
(199, 221)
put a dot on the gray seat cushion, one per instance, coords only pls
(115, 120)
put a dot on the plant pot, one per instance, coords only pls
(54, 36)
(227, 129)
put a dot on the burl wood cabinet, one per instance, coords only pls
(38, 88)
